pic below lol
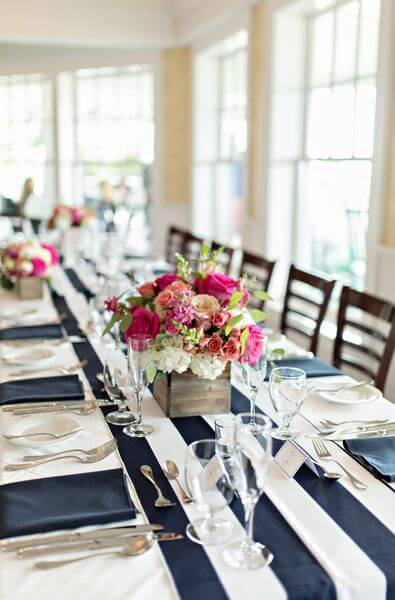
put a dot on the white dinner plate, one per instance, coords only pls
(39, 356)
(361, 395)
(49, 423)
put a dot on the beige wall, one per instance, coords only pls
(388, 234)
(175, 125)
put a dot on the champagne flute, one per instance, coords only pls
(254, 374)
(247, 465)
(114, 372)
(288, 389)
(138, 362)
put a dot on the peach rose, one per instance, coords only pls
(179, 287)
(231, 350)
(146, 289)
(214, 345)
(165, 299)
(205, 305)
(220, 318)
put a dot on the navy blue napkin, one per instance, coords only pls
(45, 332)
(376, 454)
(64, 387)
(64, 502)
(314, 367)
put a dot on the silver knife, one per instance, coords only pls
(77, 536)
(29, 552)
(360, 429)
(55, 404)
(361, 435)
(34, 410)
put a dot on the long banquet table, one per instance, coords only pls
(330, 540)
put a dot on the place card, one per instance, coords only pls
(291, 457)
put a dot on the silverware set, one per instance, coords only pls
(356, 429)
(160, 501)
(324, 454)
(61, 370)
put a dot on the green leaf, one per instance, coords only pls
(205, 250)
(151, 371)
(235, 299)
(262, 295)
(125, 322)
(232, 323)
(137, 300)
(114, 319)
(257, 315)
(278, 354)
(243, 339)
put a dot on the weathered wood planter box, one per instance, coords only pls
(187, 395)
(30, 288)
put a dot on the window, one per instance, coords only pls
(220, 139)
(326, 111)
(26, 130)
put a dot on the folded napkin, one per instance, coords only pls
(64, 502)
(376, 454)
(45, 332)
(64, 387)
(314, 367)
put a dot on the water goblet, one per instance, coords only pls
(247, 466)
(209, 487)
(138, 362)
(288, 389)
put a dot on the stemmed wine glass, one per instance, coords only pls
(209, 487)
(138, 362)
(114, 374)
(246, 463)
(254, 376)
(288, 389)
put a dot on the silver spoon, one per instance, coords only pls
(172, 472)
(135, 547)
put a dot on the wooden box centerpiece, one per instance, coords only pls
(30, 288)
(186, 395)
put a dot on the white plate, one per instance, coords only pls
(50, 423)
(361, 395)
(37, 355)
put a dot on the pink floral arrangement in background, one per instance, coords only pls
(30, 258)
(64, 216)
(198, 320)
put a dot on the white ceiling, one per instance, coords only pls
(143, 24)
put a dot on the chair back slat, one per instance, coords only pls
(262, 270)
(175, 242)
(315, 286)
(378, 347)
(192, 247)
(225, 259)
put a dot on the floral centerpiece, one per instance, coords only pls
(63, 217)
(199, 321)
(31, 260)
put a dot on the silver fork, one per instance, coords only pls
(161, 501)
(328, 423)
(57, 436)
(93, 458)
(346, 386)
(104, 447)
(61, 370)
(324, 454)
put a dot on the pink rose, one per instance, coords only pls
(164, 281)
(53, 252)
(231, 350)
(220, 318)
(214, 345)
(165, 299)
(145, 323)
(39, 267)
(146, 289)
(111, 304)
(254, 345)
(219, 285)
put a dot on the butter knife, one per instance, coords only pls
(77, 536)
(92, 544)
(67, 403)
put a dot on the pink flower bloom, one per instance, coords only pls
(53, 252)
(111, 304)
(145, 323)
(166, 299)
(214, 345)
(204, 323)
(39, 267)
(220, 318)
(164, 281)
(180, 288)
(219, 285)
(245, 298)
(254, 345)
(147, 289)
(231, 350)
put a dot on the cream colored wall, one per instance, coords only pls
(388, 234)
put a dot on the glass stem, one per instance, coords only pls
(139, 399)
(249, 510)
(253, 395)
(286, 422)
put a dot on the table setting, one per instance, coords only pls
(95, 466)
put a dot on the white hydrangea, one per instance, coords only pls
(172, 359)
(207, 366)
(26, 267)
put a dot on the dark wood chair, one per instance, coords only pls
(192, 247)
(306, 301)
(260, 268)
(175, 241)
(365, 338)
(226, 257)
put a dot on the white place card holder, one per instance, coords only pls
(291, 457)
(210, 474)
